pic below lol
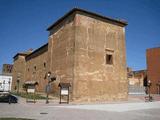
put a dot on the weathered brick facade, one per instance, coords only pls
(86, 50)
(36, 67)
(153, 69)
(18, 70)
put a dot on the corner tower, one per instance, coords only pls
(88, 50)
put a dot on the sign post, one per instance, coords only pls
(47, 90)
(149, 97)
(64, 91)
(30, 89)
(48, 86)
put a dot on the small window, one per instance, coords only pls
(35, 67)
(109, 59)
(44, 64)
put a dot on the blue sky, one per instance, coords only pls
(23, 24)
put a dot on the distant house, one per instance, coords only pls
(136, 78)
(7, 68)
(136, 81)
(6, 78)
(5, 82)
(153, 68)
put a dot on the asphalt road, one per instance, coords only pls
(41, 111)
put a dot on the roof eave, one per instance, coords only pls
(37, 50)
(124, 23)
(23, 54)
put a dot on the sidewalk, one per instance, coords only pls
(120, 107)
(134, 102)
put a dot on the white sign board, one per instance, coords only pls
(5, 82)
(64, 91)
(31, 89)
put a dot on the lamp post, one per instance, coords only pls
(18, 86)
(18, 81)
(149, 92)
(9, 82)
(50, 79)
(47, 87)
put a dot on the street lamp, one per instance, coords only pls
(48, 87)
(149, 92)
(18, 81)
(18, 86)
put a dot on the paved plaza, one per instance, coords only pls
(137, 110)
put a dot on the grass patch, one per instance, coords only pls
(29, 95)
(15, 119)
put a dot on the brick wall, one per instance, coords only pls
(18, 72)
(37, 67)
(94, 80)
(153, 67)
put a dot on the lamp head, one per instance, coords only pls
(48, 74)
(149, 81)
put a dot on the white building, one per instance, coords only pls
(5, 82)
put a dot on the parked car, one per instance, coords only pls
(8, 98)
